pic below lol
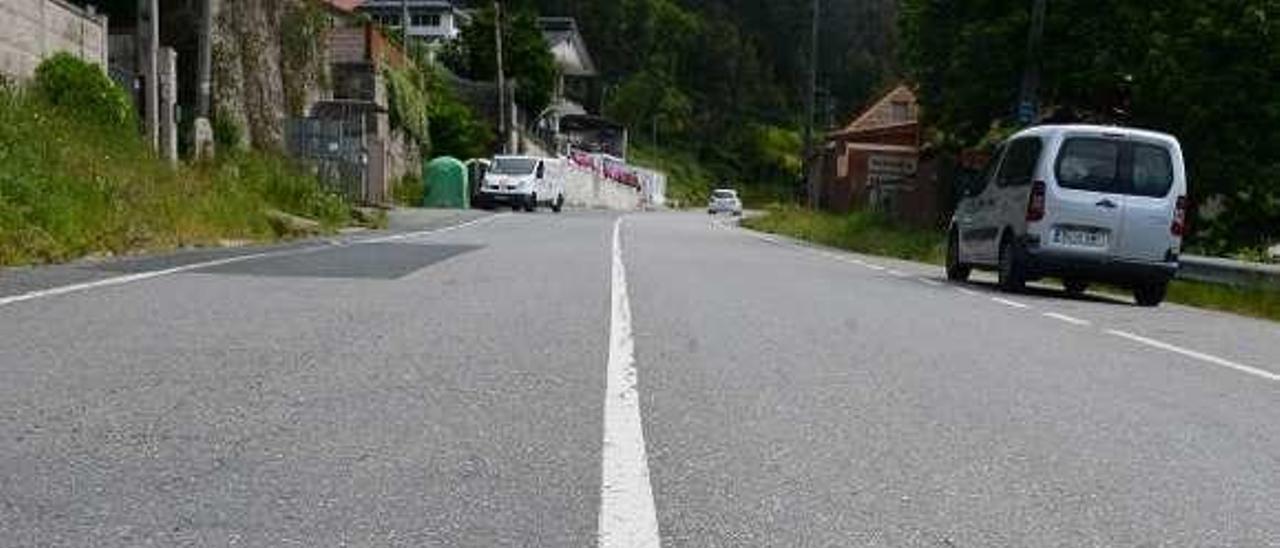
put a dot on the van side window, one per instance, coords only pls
(541, 169)
(984, 179)
(1087, 163)
(1152, 171)
(1020, 162)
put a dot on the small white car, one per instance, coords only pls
(523, 182)
(724, 200)
(1076, 202)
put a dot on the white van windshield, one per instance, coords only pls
(513, 166)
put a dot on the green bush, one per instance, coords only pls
(409, 191)
(69, 83)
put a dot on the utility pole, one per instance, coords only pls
(1028, 97)
(205, 85)
(810, 152)
(404, 24)
(148, 46)
(502, 81)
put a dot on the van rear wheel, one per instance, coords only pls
(1151, 293)
(1011, 275)
(956, 270)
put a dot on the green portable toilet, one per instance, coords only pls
(446, 180)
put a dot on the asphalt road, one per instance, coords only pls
(474, 380)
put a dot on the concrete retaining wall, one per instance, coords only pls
(583, 188)
(36, 29)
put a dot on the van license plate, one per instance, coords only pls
(1080, 238)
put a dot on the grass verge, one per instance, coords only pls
(860, 231)
(71, 187)
(869, 233)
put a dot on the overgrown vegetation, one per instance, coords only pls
(688, 183)
(303, 46)
(86, 186)
(409, 191)
(864, 232)
(456, 130)
(409, 104)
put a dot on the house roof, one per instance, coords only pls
(881, 115)
(344, 5)
(567, 45)
(439, 4)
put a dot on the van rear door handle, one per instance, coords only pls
(1107, 203)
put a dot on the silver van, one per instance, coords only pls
(1080, 203)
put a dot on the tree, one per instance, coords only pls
(526, 57)
(1209, 73)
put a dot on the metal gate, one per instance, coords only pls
(336, 150)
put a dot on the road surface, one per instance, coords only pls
(531, 380)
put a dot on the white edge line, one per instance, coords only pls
(897, 273)
(142, 276)
(628, 518)
(1008, 302)
(1068, 319)
(969, 292)
(1197, 355)
(876, 267)
(928, 282)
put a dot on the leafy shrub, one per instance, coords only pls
(82, 88)
(410, 191)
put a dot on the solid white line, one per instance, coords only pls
(1008, 302)
(121, 280)
(142, 276)
(1068, 319)
(1197, 355)
(421, 233)
(628, 518)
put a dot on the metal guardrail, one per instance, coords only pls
(1229, 272)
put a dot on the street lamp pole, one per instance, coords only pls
(1028, 97)
(810, 155)
(502, 81)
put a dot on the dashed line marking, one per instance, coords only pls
(1197, 355)
(897, 273)
(1007, 302)
(968, 292)
(1068, 319)
(927, 281)
(876, 267)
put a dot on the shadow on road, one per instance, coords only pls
(1044, 292)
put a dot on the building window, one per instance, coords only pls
(901, 111)
(426, 20)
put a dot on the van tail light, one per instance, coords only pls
(1179, 226)
(1035, 205)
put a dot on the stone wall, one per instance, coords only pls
(36, 29)
(257, 84)
(584, 188)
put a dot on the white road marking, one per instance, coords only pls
(876, 267)
(969, 292)
(927, 281)
(1197, 355)
(628, 518)
(1008, 302)
(422, 233)
(142, 276)
(897, 273)
(1068, 319)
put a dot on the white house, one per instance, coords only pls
(432, 21)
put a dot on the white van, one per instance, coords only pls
(1080, 203)
(523, 182)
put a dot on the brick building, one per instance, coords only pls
(875, 162)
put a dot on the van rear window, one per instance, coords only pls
(1152, 171)
(1119, 167)
(1089, 164)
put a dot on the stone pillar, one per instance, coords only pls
(168, 74)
